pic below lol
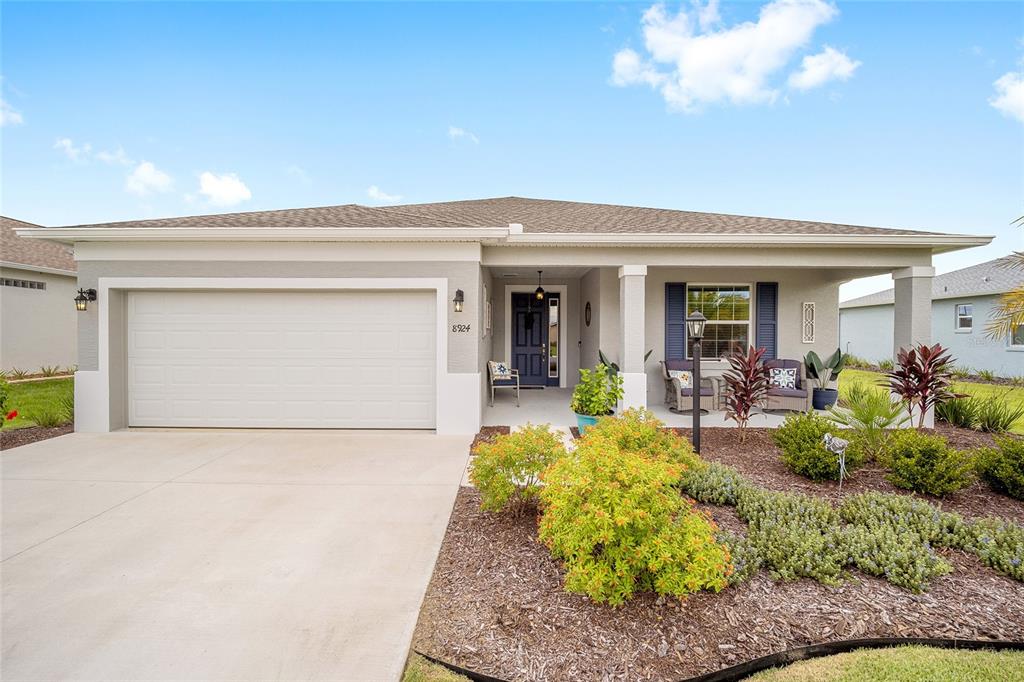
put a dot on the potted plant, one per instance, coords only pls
(823, 373)
(596, 395)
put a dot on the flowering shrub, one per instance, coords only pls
(801, 439)
(795, 536)
(619, 524)
(1003, 466)
(925, 463)
(507, 470)
(640, 432)
(714, 483)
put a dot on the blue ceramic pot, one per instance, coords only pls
(583, 421)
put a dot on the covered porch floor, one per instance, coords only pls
(551, 406)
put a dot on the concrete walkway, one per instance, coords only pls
(220, 555)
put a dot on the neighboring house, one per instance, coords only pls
(385, 317)
(962, 302)
(38, 282)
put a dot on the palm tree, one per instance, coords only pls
(1008, 313)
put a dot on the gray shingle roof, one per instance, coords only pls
(536, 216)
(32, 252)
(983, 279)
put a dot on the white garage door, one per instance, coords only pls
(353, 359)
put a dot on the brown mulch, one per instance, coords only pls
(488, 433)
(760, 461)
(12, 438)
(495, 605)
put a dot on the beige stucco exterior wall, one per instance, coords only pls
(463, 348)
(590, 337)
(37, 326)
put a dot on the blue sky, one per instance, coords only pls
(882, 114)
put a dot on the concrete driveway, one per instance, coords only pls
(220, 554)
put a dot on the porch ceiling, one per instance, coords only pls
(528, 272)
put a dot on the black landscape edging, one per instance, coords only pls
(743, 670)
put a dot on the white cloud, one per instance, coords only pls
(117, 156)
(692, 60)
(223, 190)
(377, 194)
(818, 69)
(9, 116)
(298, 172)
(147, 179)
(1009, 97)
(74, 153)
(456, 133)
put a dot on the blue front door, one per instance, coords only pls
(530, 342)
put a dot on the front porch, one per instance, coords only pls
(551, 406)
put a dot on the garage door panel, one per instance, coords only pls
(284, 359)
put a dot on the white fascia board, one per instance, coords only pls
(938, 243)
(37, 268)
(70, 235)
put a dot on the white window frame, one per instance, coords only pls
(957, 317)
(750, 313)
(1010, 345)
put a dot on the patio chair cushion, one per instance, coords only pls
(685, 377)
(782, 377)
(677, 365)
(503, 381)
(499, 370)
(788, 392)
(705, 391)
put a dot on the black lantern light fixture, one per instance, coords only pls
(695, 332)
(83, 298)
(539, 293)
(459, 299)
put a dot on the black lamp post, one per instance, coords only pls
(695, 332)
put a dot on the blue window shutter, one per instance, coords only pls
(766, 334)
(675, 321)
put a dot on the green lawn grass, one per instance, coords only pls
(33, 396)
(904, 664)
(982, 391)
(420, 669)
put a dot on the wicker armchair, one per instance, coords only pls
(797, 399)
(680, 399)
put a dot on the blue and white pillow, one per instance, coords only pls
(782, 377)
(499, 370)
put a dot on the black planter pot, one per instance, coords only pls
(824, 398)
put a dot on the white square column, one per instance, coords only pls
(632, 283)
(912, 312)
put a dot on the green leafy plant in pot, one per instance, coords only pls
(822, 373)
(596, 395)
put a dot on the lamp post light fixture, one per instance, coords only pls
(459, 299)
(539, 293)
(83, 298)
(695, 332)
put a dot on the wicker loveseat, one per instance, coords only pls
(678, 398)
(797, 399)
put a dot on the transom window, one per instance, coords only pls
(23, 284)
(727, 307)
(964, 317)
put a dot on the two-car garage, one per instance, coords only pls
(281, 358)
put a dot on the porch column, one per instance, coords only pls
(632, 281)
(912, 312)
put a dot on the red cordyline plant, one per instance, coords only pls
(747, 379)
(922, 379)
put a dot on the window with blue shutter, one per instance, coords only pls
(675, 321)
(766, 335)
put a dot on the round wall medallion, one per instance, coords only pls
(586, 314)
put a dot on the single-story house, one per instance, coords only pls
(962, 304)
(385, 317)
(38, 327)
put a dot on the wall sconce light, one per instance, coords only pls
(459, 299)
(83, 298)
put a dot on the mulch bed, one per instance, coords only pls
(495, 605)
(12, 438)
(759, 460)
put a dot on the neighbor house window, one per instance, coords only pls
(727, 308)
(964, 317)
(1017, 338)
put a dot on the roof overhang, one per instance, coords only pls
(509, 235)
(37, 268)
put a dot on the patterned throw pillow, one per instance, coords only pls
(685, 377)
(781, 377)
(499, 370)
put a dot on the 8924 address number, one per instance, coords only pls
(460, 328)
